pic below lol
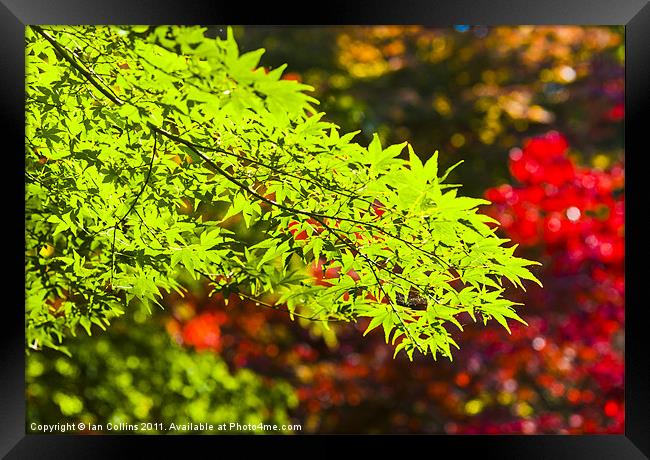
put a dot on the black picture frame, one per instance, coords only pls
(634, 14)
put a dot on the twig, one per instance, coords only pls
(135, 201)
(97, 83)
(274, 307)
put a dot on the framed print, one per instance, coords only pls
(419, 219)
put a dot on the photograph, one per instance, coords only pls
(345, 229)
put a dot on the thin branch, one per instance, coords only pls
(100, 85)
(292, 210)
(135, 201)
(146, 181)
(273, 306)
(370, 264)
(96, 82)
(148, 228)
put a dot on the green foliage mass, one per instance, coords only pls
(138, 374)
(145, 145)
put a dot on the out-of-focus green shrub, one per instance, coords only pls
(136, 373)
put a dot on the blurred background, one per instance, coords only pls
(537, 115)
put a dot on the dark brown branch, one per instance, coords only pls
(96, 82)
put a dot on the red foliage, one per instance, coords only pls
(574, 217)
(203, 332)
(302, 235)
(575, 213)
(292, 76)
